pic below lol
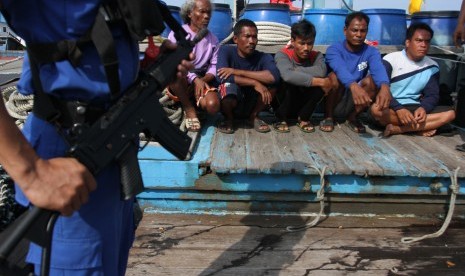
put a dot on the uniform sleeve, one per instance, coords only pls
(376, 67)
(430, 94)
(335, 61)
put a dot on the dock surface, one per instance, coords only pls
(260, 245)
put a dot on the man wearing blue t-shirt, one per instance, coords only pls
(353, 88)
(415, 88)
(247, 78)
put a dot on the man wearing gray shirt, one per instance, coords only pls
(303, 72)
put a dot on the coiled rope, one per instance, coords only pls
(173, 110)
(320, 195)
(17, 105)
(269, 33)
(454, 187)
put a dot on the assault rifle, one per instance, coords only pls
(114, 137)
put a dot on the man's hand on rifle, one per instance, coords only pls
(59, 184)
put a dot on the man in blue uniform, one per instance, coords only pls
(96, 231)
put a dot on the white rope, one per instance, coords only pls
(269, 33)
(320, 195)
(17, 105)
(454, 187)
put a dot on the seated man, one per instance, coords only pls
(248, 79)
(200, 81)
(303, 73)
(353, 89)
(415, 88)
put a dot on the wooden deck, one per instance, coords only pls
(250, 245)
(343, 152)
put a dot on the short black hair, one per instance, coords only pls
(417, 26)
(303, 29)
(243, 23)
(359, 15)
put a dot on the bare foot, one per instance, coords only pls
(427, 133)
(391, 130)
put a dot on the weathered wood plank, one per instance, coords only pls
(259, 245)
(229, 151)
(343, 152)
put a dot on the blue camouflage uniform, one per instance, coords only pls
(96, 239)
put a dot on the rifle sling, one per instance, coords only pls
(61, 112)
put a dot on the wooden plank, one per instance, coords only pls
(385, 158)
(414, 158)
(259, 245)
(343, 152)
(229, 151)
(261, 152)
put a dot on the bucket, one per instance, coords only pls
(221, 21)
(296, 16)
(387, 26)
(278, 13)
(329, 24)
(175, 12)
(443, 24)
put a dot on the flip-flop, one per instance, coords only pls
(226, 127)
(306, 126)
(281, 127)
(328, 123)
(356, 126)
(193, 124)
(258, 125)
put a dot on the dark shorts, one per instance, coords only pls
(345, 106)
(246, 98)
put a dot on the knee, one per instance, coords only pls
(376, 112)
(212, 105)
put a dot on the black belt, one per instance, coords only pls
(70, 113)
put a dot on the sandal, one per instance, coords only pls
(306, 126)
(356, 126)
(327, 125)
(281, 127)
(259, 125)
(225, 127)
(193, 124)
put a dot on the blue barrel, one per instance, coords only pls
(175, 12)
(296, 16)
(329, 24)
(221, 21)
(443, 24)
(278, 13)
(387, 26)
(408, 20)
